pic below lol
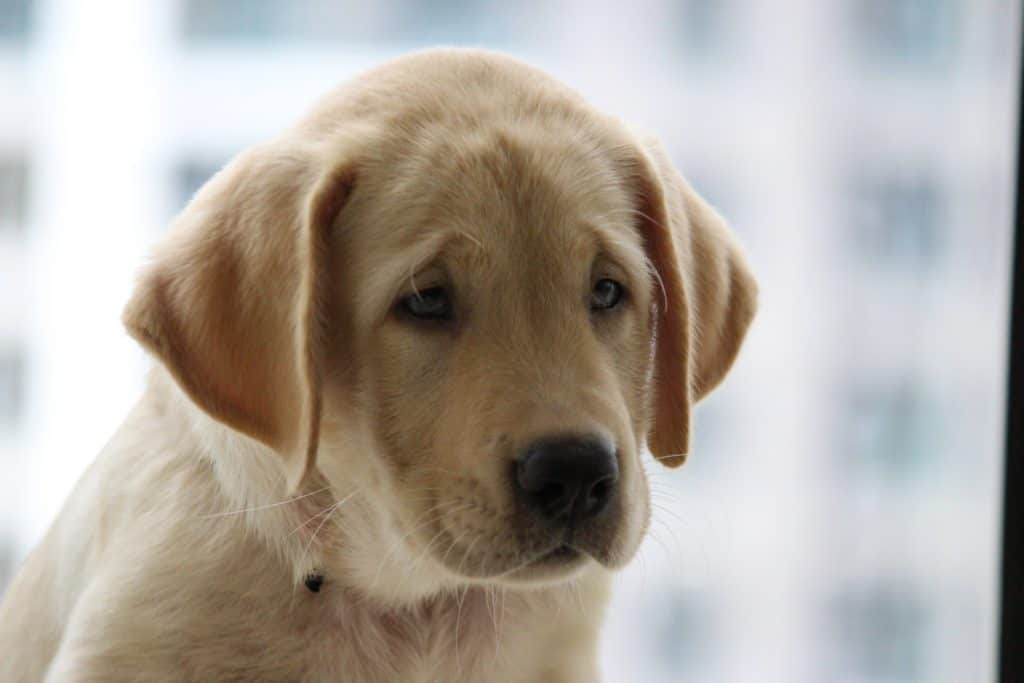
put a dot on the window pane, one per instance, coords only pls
(12, 387)
(15, 19)
(13, 193)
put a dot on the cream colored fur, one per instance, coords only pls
(295, 423)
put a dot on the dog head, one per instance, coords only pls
(460, 292)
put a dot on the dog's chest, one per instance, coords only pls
(455, 639)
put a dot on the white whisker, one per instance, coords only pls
(330, 511)
(264, 507)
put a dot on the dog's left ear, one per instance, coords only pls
(705, 295)
(233, 302)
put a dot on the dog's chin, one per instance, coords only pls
(561, 564)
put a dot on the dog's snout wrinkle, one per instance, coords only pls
(567, 479)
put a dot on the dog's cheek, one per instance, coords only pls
(407, 382)
(629, 343)
(631, 350)
(636, 514)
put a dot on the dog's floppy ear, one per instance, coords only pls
(706, 298)
(232, 303)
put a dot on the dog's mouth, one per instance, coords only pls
(560, 555)
(518, 550)
(553, 565)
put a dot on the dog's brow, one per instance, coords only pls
(424, 251)
(431, 248)
(467, 236)
(629, 252)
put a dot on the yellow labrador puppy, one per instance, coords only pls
(409, 354)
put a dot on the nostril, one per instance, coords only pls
(600, 490)
(552, 491)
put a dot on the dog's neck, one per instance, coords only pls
(324, 535)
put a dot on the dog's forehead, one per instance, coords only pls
(524, 186)
(497, 206)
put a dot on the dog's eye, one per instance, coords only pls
(428, 304)
(605, 295)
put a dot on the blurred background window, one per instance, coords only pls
(192, 175)
(12, 388)
(896, 431)
(912, 32)
(881, 633)
(13, 193)
(352, 22)
(682, 633)
(897, 220)
(15, 20)
(702, 28)
(838, 519)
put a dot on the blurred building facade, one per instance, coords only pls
(838, 519)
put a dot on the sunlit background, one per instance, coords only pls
(839, 518)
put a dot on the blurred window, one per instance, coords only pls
(13, 193)
(881, 633)
(7, 552)
(189, 177)
(704, 26)
(267, 19)
(15, 20)
(357, 22)
(894, 428)
(679, 626)
(713, 184)
(12, 386)
(912, 32)
(896, 220)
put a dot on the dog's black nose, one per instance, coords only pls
(567, 477)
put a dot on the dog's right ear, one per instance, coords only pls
(706, 297)
(233, 302)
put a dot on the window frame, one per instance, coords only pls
(1011, 627)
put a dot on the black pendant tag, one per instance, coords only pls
(313, 582)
